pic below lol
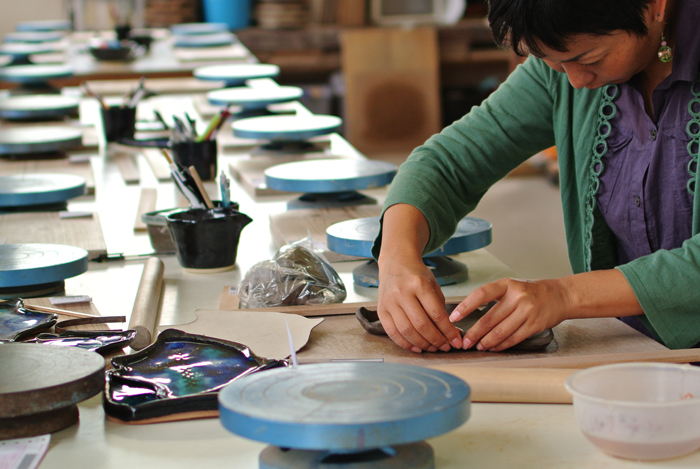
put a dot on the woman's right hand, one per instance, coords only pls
(411, 305)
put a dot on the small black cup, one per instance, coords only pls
(201, 155)
(122, 31)
(207, 239)
(118, 122)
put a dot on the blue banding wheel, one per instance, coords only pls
(286, 128)
(204, 40)
(20, 50)
(344, 406)
(355, 237)
(33, 37)
(236, 74)
(184, 29)
(333, 175)
(34, 264)
(34, 73)
(19, 190)
(23, 140)
(44, 25)
(254, 98)
(39, 106)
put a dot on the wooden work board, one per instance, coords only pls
(577, 343)
(291, 226)
(48, 227)
(60, 164)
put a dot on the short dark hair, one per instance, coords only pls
(526, 25)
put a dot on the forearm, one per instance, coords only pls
(405, 232)
(602, 293)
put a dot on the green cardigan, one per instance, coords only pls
(534, 109)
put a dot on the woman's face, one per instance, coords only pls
(594, 61)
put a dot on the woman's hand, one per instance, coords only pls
(525, 308)
(411, 307)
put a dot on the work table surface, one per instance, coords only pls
(496, 435)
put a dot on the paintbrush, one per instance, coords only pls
(200, 186)
(92, 94)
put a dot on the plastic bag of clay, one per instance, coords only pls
(296, 275)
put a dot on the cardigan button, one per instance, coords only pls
(652, 134)
(637, 201)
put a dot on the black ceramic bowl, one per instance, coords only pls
(206, 240)
(142, 40)
(114, 51)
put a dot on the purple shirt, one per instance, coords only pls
(643, 195)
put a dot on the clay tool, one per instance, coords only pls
(225, 190)
(92, 94)
(200, 186)
(178, 177)
(295, 363)
(143, 315)
(46, 309)
(159, 116)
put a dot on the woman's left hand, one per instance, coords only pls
(523, 308)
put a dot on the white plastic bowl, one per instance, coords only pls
(640, 411)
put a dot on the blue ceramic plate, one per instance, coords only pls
(177, 375)
(17, 323)
(34, 73)
(286, 128)
(236, 74)
(344, 406)
(355, 237)
(204, 40)
(34, 37)
(254, 98)
(38, 106)
(187, 29)
(44, 25)
(36, 264)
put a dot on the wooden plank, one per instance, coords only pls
(127, 167)
(59, 164)
(291, 226)
(158, 164)
(392, 87)
(147, 203)
(342, 337)
(48, 227)
(250, 171)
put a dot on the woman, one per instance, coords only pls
(613, 83)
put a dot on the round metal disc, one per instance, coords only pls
(204, 40)
(33, 37)
(44, 25)
(254, 98)
(19, 49)
(19, 190)
(286, 128)
(22, 140)
(184, 29)
(338, 406)
(324, 176)
(34, 73)
(32, 375)
(355, 237)
(34, 264)
(236, 74)
(38, 106)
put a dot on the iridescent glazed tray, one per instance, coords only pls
(178, 377)
(18, 323)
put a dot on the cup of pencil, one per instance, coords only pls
(194, 149)
(119, 121)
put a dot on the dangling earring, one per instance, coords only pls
(665, 52)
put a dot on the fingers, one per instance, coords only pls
(411, 323)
